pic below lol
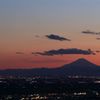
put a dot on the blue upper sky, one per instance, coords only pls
(52, 10)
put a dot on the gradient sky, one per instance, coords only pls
(24, 24)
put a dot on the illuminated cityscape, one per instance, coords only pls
(47, 88)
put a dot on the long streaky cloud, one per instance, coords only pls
(64, 52)
(19, 52)
(56, 37)
(91, 32)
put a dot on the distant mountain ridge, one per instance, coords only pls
(80, 67)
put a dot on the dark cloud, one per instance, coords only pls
(57, 37)
(91, 32)
(98, 38)
(37, 36)
(19, 52)
(98, 51)
(65, 51)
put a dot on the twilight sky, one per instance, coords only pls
(48, 33)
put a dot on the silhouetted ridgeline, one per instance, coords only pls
(81, 67)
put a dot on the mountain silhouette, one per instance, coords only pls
(82, 62)
(80, 67)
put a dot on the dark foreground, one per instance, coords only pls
(36, 88)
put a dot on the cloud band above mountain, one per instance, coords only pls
(64, 52)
